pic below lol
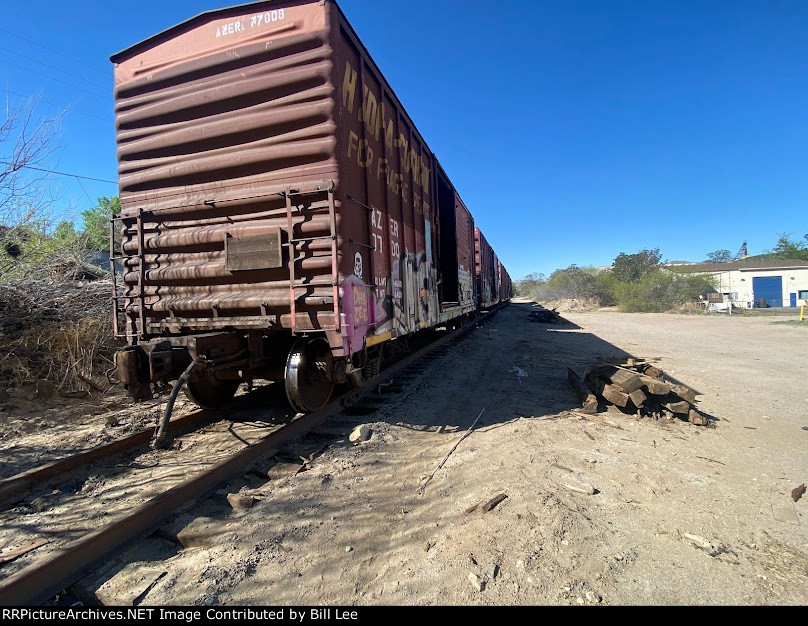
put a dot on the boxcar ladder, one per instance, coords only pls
(294, 284)
(140, 297)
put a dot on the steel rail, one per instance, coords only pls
(14, 486)
(46, 577)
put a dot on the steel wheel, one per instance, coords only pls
(211, 393)
(308, 387)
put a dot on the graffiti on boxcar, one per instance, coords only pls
(358, 312)
(432, 292)
(465, 285)
(399, 305)
(383, 145)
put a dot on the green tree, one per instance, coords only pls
(632, 267)
(787, 248)
(65, 231)
(719, 256)
(95, 222)
(660, 290)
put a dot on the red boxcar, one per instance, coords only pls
(484, 262)
(504, 283)
(281, 214)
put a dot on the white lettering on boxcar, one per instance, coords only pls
(376, 219)
(268, 17)
(394, 246)
(251, 21)
(378, 243)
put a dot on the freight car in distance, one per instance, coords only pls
(282, 218)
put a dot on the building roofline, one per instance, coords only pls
(742, 266)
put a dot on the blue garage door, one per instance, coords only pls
(769, 288)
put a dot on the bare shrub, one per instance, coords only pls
(59, 331)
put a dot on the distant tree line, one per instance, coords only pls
(639, 282)
(634, 282)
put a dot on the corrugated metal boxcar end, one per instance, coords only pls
(281, 215)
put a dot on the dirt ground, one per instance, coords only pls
(354, 529)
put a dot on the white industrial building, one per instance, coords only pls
(754, 283)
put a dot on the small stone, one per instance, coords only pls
(585, 488)
(348, 548)
(696, 418)
(591, 596)
(491, 571)
(360, 433)
(477, 582)
(798, 492)
(580, 600)
(241, 502)
(282, 469)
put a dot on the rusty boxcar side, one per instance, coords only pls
(487, 296)
(504, 283)
(274, 192)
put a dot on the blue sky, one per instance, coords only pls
(573, 129)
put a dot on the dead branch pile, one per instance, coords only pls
(58, 331)
(641, 389)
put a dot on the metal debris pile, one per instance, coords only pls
(638, 388)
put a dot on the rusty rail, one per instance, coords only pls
(14, 486)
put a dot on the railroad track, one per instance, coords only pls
(14, 487)
(46, 577)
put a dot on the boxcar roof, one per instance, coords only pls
(169, 32)
(206, 15)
